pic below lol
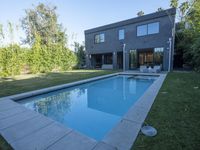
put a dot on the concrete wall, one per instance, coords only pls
(113, 44)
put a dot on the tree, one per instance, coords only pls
(11, 32)
(183, 8)
(43, 20)
(188, 38)
(174, 3)
(140, 13)
(160, 9)
(80, 53)
(1, 33)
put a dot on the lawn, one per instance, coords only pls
(24, 83)
(175, 114)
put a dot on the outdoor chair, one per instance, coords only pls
(143, 69)
(156, 69)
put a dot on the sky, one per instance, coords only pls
(78, 15)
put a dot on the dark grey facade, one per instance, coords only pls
(103, 45)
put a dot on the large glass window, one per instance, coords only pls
(99, 38)
(141, 30)
(158, 56)
(153, 28)
(108, 59)
(121, 34)
(133, 59)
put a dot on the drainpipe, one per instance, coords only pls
(170, 53)
(124, 53)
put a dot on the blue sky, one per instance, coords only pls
(79, 15)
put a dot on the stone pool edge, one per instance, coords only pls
(121, 136)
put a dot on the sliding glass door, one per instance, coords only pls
(132, 59)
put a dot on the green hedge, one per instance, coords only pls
(38, 59)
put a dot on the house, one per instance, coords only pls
(145, 40)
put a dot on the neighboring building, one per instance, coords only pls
(145, 40)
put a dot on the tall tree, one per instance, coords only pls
(11, 32)
(1, 33)
(183, 8)
(174, 3)
(80, 53)
(43, 20)
(140, 13)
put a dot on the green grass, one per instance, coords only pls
(175, 114)
(25, 83)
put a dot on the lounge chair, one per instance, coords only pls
(143, 69)
(156, 69)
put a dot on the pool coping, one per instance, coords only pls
(18, 126)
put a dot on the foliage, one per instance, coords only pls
(174, 3)
(47, 40)
(80, 53)
(140, 13)
(43, 20)
(160, 9)
(11, 60)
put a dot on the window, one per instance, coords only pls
(158, 56)
(133, 59)
(108, 59)
(99, 38)
(142, 30)
(121, 34)
(153, 28)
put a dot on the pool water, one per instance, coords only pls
(92, 108)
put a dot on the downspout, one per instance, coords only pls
(124, 53)
(170, 53)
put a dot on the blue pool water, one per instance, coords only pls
(93, 108)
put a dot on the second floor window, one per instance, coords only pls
(121, 34)
(151, 28)
(142, 30)
(99, 38)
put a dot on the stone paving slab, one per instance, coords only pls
(6, 104)
(123, 135)
(74, 141)
(41, 139)
(12, 111)
(12, 120)
(25, 128)
(136, 114)
(104, 146)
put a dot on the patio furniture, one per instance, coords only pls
(156, 69)
(143, 69)
(107, 66)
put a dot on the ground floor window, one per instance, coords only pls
(148, 57)
(133, 59)
(145, 57)
(108, 59)
(158, 56)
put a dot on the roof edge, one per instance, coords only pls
(166, 12)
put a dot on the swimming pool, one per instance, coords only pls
(92, 108)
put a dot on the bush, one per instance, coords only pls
(39, 59)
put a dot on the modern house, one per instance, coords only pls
(145, 40)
